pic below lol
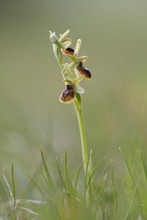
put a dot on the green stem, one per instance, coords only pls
(79, 113)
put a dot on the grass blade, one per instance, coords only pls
(34, 183)
(67, 179)
(50, 182)
(133, 195)
(77, 177)
(59, 171)
(144, 166)
(126, 164)
(94, 170)
(13, 184)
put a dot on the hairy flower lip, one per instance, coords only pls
(68, 94)
(68, 51)
(83, 70)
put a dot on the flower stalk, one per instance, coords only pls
(79, 113)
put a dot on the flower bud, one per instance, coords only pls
(53, 37)
(83, 71)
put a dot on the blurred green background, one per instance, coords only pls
(114, 36)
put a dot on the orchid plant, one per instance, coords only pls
(73, 73)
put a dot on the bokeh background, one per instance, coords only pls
(114, 36)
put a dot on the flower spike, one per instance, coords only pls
(74, 71)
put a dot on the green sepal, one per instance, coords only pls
(79, 89)
(57, 53)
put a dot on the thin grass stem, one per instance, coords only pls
(13, 185)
